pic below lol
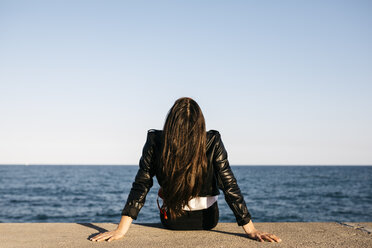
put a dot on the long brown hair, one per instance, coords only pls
(183, 157)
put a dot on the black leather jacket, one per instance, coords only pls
(219, 176)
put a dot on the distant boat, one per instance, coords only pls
(26, 164)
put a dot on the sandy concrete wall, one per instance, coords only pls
(35, 235)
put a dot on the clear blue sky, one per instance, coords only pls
(285, 82)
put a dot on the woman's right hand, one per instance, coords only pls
(109, 236)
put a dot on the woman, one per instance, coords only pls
(191, 166)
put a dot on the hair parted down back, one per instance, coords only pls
(183, 158)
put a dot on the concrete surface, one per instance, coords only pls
(293, 234)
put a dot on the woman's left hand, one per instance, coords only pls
(255, 234)
(263, 236)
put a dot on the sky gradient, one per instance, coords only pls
(285, 82)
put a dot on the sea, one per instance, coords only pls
(83, 194)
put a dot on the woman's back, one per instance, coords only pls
(209, 186)
(219, 176)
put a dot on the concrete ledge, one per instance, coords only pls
(293, 234)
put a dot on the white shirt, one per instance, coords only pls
(199, 203)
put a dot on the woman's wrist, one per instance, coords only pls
(120, 230)
(249, 228)
(124, 224)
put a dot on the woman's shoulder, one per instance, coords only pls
(154, 137)
(213, 136)
(213, 133)
(154, 134)
(154, 131)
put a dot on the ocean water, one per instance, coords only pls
(41, 193)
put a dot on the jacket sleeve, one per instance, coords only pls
(143, 180)
(228, 184)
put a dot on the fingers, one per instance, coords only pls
(259, 238)
(101, 237)
(109, 236)
(266, 237)
(262, 236)
(96, 237)
(277, 239)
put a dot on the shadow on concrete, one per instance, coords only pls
(230, 233)
(99, 229)
(154, 225)
(160, 226)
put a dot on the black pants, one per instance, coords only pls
(193, 220)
